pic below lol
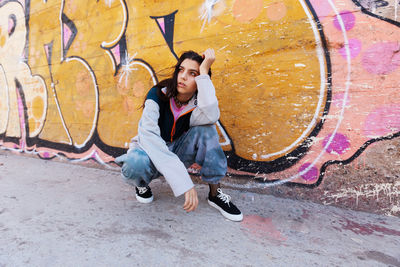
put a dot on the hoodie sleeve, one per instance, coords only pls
(165, 161)
(207, 111)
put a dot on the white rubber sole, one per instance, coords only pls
(144, 200)
(232, 217)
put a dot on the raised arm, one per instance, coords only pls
(207, 111)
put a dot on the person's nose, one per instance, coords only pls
(184, 75)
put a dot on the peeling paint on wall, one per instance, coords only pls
(368, 190)
(388, 191)
(302, 84)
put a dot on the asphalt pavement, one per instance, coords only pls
(64, 214)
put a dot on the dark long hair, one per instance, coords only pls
(172, 83)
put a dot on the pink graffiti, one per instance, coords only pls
(322, 8)
(162, 24)
(367, 229)
(67, 34)
(339, 101)
(382, 58)
(354, 47)
(339, 143)
(383, 121)
(261, 227)
(11, 26)
(348, 18)
(117, 54)
(311, 174)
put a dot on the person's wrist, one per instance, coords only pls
(203, 71)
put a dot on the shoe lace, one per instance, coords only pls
(224, 197)
(142, 190)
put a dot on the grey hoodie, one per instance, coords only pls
(149, 137)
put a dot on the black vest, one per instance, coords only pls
(169, 128)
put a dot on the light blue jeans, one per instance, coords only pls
(198, 145)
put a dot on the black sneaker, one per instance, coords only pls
(144, 195)
(222, 202)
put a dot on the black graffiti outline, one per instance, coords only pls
(121, 43)
(14, 19)
(234, 161)
(288, 160)
(21, 93)
(328, 163)
(334, 162)
(116, 151)
(238, 163)
(380, 3)
(74, 32)
(4, 136)
(366, 11)
(169, 23)
(49, 56)
(27, 7)
(123, 53)
(27, 16)
(37, 142)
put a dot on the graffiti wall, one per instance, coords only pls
(303, 85)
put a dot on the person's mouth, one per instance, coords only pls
(181, 84)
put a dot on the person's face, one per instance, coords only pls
(187, 86)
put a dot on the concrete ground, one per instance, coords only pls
(58, 214)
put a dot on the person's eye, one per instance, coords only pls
(193, 74)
